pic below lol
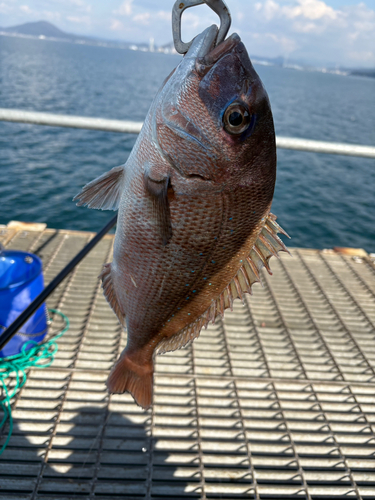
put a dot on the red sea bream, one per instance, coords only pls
(194, 224)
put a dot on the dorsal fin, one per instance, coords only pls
(267, 245)
(104, 192)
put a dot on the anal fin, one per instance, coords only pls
(104, 192)
(110, 294)
(181, 338)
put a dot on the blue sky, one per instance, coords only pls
(335, 32)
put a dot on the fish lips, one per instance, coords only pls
(205, 61)
(204, 50)
(202, 43)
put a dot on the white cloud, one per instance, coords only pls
(306, 27)
(309, 9)
(307, 30)
(116, 25)
(165, 15)
(125, 8)
(269, 9)
(143, 19)
(363, 56)
(288, 45)
(26, 9)
(310, 30)
(51, 16)
(79, 19)
(5, 7)
(81, 5)
(269, 40)
(191, 20)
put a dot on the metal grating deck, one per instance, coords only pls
(276, 401)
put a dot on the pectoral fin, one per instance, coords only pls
(104, 192)
(158, 190)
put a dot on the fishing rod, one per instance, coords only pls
(9, 332)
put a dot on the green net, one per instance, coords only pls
(37, 356)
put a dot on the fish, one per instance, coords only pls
(194, 225)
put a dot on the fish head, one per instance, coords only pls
(214, 119)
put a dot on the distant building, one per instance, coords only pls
(152, 45)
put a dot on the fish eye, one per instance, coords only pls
(236, 118)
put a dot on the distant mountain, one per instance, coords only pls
(363, 72)
(40, 28)
(44, 29)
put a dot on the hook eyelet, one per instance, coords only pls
(217, 6)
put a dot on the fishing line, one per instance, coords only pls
(38, 356)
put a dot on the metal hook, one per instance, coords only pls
(217, 6)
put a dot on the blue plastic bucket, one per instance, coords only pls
(21, 280)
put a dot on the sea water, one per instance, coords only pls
(321, 200)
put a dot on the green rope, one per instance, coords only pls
(38, 356)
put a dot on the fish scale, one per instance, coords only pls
(194, 199)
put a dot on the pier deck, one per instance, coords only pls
(275, 401)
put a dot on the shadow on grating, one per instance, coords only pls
(275, 402)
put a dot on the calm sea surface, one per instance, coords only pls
(321, 200)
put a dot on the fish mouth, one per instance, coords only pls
(210, 54)
(203, 52)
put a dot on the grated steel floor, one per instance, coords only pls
(277, 401)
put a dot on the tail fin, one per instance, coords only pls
(127, 376)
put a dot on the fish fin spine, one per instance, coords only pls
(267, 245)
(109, 292)
(221, 304)
(244, 280)
(230, 297)
(207, 316)
(262, 237)
(127, 376)
(213, 311)
(104, 192)
(262, 254)
(274, 226)
(181, 338)
(274, 240)
(238, 287)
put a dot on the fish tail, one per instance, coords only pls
(129, 376)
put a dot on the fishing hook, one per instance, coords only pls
(217, 6)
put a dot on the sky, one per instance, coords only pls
(331, 32)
